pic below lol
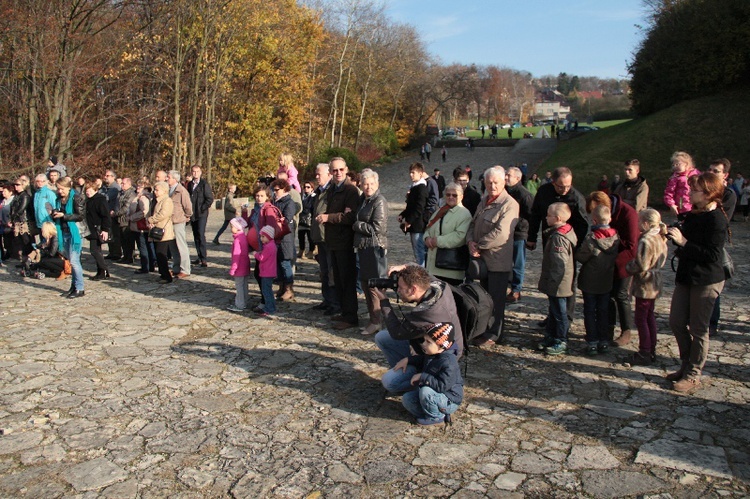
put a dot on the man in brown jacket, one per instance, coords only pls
(183, 210)
(490, 238)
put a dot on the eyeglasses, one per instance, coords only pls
(450, 195)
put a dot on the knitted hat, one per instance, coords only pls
(238, 223)
(442, 334)
(268, 231)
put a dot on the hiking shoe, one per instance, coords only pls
(430, 421)
(639, 359)
(548, 341)
(603, 346)
(559, 348)
(592, 350)
(687, 385)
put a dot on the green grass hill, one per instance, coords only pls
(706, 128)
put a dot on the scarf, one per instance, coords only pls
(439, 214)
(75, 235)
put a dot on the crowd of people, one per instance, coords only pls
(609, 245)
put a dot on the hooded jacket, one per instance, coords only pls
(597, 254)
(558, 265)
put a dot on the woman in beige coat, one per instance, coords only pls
(162, 218)
(490, 238)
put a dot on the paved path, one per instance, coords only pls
(144, 390)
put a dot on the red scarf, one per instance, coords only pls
(440, 214)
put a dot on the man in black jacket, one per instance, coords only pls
(341, 211)
(330, 304)
(525, 201)
(560, 190)
(413, 220)
(462, 176)
(202, 198)
(111, 190)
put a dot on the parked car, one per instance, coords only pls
(587, 128)
(450, 134)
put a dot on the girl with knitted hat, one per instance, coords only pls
(266, 258)
(240, 268)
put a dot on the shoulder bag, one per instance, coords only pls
(451, 258)
(156, 233)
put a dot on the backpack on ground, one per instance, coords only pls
(474, 305)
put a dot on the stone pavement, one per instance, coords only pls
(146, 390)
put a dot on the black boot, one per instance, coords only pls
(69, 292)
(101, 275)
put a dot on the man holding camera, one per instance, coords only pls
(434, 303)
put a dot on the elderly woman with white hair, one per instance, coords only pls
(370, 242)
(446, 237)
(162, 219)
(490, 239)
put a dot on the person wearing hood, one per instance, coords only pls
(634, 189)
(413, 219)
(597, 256)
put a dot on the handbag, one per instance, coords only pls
(142, 225)
(727, 264)
(67, 267)
(156, 233)
(451, 258)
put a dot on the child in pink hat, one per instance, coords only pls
(240, 268)
(266, 258)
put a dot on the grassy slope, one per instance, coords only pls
(706, 128)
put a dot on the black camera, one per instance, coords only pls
(677, 225)
(390, 282)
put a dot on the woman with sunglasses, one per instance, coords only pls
(305, 220)
(447, 229)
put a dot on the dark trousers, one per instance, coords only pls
(557, 320)
(52, 266)
(21, 245)
(115, 242)
(161, 258)
(646, 323)
(221, 230)
(95, 247)
(327, 287)
(199, 236)
(595, 317)
(619, 305)
(302, 234)
(496, 285)
(345, 279)
(128, 243)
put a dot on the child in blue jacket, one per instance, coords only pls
(438, 384)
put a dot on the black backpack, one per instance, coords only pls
(474, 306)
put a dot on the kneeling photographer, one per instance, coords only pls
(434, 303)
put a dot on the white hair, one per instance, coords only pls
(494, 171)
(515, 172)
(455, 187)
(368, 173)
(174, 174)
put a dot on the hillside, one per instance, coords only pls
(707, 128)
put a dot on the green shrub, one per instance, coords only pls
(385, 139)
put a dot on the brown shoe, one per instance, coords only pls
(624, 338)
(288, 294)
(513, 297)
(677, 375)
(483, 342)
(687, 385)
(182, 275)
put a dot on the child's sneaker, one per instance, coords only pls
(259, 310)
(233, 308)
(559, 348)
(39, 275)
(548, 341)
(592, 349)
(603, 346)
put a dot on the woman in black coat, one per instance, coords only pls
(100, 225)
(700, 276)
(286, 251)
(414, 218)
(371, 244)
(22, 222)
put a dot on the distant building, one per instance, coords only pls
(549, 104)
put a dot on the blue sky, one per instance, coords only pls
(579, 37)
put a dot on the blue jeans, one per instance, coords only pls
(418, 247)
(286, 274)
(147, 252)
(395, 350)
(427, 403)
(266, 289)
(596, 317)
(519, 266)
(75, 261)
(557, 323)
